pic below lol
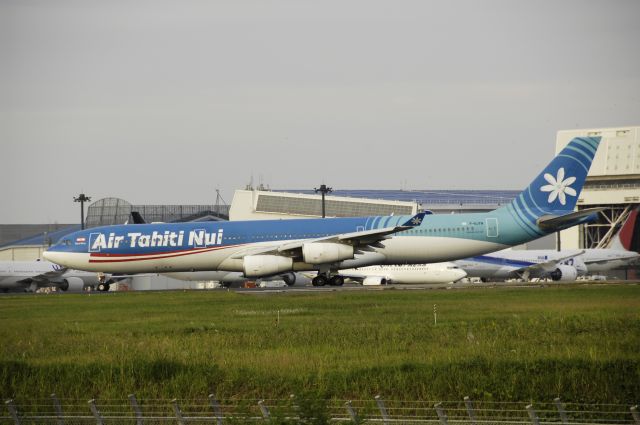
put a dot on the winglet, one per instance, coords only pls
(416, 220)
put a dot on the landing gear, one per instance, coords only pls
(336, 280)
(322, 280)
(103, 287)
(319, 280)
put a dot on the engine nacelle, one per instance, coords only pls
(265, 265)
(72, 284)
(564, 273)
(289, 278)
(319, 252)
(374, 280)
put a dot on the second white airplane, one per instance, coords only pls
(406, 273)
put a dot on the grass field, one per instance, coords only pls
(580, 343)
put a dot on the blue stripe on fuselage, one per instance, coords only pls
(500, 261)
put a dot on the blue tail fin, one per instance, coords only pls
(556, 189)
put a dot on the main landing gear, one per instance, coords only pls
(323, 279)
(102, 287)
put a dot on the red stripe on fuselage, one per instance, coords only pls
(161, 255)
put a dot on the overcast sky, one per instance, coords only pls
(162, 102)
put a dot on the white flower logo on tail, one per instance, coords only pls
(558, 187)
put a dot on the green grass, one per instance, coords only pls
(580, 342)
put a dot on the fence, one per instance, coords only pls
(55, 411)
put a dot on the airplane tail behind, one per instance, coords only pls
(628, 237)
(554, 192)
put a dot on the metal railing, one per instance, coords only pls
(57, 411)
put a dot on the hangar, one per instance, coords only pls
(263, 204)
(613, 182)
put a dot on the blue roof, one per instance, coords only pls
(44, 238)
(427, 197)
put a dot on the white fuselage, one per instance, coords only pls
(411, 273)
(31, 275)
(603, 260)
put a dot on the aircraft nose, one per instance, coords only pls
(54, 257)
(46, 255)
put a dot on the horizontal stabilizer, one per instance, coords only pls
(558, 222)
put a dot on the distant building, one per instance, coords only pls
(613, 182)
(108, 211)
(29, 248)
(299, 203)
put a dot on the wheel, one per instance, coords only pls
(103, 287)
(336, 280)
(319, 280)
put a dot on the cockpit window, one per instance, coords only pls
(66, 242)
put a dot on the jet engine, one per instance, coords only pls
(564, 273)
(73, 284)
(265, 265)
(374, 280)
(289, 278)
(319, 252)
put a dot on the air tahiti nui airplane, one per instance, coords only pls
(266, 248)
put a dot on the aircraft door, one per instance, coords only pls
(492, 227)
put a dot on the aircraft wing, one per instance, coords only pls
(362, 241)
(550, 265)
(44, 278)
(628, 256)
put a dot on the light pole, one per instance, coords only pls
(82, 198)
(324, 190)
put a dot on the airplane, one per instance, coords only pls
(270, 247)
(446, 272)
(564, 265)
(29, 276)
(371, 275)
(525, 264)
